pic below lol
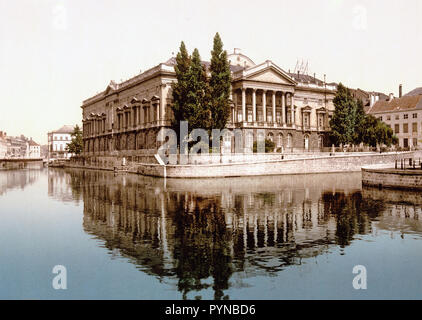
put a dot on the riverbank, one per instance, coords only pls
(261, 167)
(15, 164)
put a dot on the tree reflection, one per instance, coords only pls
(205, 233)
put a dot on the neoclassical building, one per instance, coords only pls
(292, 109)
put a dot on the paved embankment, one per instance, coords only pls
(318, 164)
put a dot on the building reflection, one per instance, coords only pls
(212, 234)
(17, 179)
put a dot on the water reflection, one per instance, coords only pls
(212, 234)
(17, 179)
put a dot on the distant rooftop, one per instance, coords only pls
(32, 143)
(407, 102)
(64, 129)
(415, 92)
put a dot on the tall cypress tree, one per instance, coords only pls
(220, 82)
(197, 112)
(180, 87)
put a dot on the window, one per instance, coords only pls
(406, 116)
(396, 128)
(397, 117)
(405, 128)
(388, 118)
(380, 118)
(289, 140)
(305, 101)
(414, 127)
(260, 116)
(415, 142)
(306, 120)
(415, 116)
(280, 140)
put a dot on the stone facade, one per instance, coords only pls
(293, 110)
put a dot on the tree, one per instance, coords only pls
(377, 132)
(76, 144)
(191, 91)
(220, 82)
(343, 121)
(197, 106)
(359, 123)
(180, 87)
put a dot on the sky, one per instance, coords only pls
(56, 53)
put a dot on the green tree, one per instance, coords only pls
(220, 82)
(76, 144)
(359, 123)
(180, 87)
(197, 106)
(191, 91)
(343, 121)
(377, 132)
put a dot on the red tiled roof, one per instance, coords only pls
(32, 143)
(397, 104)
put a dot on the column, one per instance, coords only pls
(138, 121)
(292, 109)
(142, 120)
(235, 107)
(254, 105)
(264, 105)
(283, 109)
(243, 104)
(162, 102)
(274, 119)
(158, 110)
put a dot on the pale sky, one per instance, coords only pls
(55, 54)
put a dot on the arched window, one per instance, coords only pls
(280, 140)
(306, 142)
(289, 140)
(270, 136)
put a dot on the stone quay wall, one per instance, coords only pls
(304, 165)
(392, 178)
(14, 164)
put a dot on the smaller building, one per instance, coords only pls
(3, 145)
(17, 147)
(58, 141)
(34, 150)
(403, 115)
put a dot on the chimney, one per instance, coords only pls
(391, 97)
(400, 90)
(372, 100)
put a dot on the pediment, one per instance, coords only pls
(134, 100)
(270, 73)
(111, 87)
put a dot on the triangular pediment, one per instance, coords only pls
(269, 72)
